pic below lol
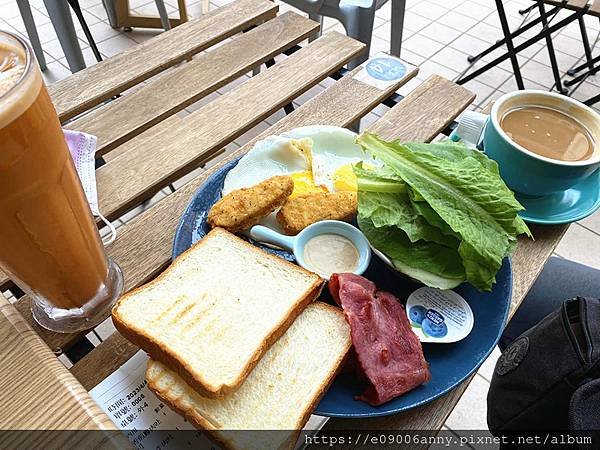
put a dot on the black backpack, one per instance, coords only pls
(548, 379)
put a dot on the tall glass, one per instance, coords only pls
(49, 242)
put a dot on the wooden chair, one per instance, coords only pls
(120, 16)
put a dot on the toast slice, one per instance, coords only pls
(280, 393)
(216, 310)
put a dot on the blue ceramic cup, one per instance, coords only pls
(530, 174)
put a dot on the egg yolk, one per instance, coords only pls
(304, 183)
(344, 179)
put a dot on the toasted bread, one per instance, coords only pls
(216, 310)
(280, 393)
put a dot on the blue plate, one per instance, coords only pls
(574, 204)
(450, 364)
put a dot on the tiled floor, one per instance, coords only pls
(438, 36)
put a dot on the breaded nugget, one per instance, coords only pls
(298, 213)
(242, 208)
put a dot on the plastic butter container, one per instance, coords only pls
(440, 316)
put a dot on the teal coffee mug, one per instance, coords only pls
(528, 173)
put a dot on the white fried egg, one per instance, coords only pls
(318, 158)
(275, 155)
(334, 151)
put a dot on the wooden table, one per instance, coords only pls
(146, 145)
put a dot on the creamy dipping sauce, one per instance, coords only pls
(331, 253)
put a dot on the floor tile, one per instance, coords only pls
(458, 21)
(440, 33)
(469, 44)
(116, 45)
(538, 72)
(310, 93)
(471, 411)
(475, 10)
(385, 12)
(487, 368)
(494, 77)
(415, 22)
(429, 10)
(150, 10)
(54, 48)
(585, 92)
(55, 71)
(483, 91)
(592, 223)
(105, 329)
(422, 45)
(564, 61)
(10, 11)
(102, 31)
(566, 44)
(251, 134)
(429, 67)
(451, 58)
(581, 245)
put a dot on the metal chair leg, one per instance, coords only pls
(359, 26)
(86, 30)
(111, 12)
(550, 46)
(592, 100)
(317, 18)
(509, 44)
(60, 15)
(398, 8)
(34, 38)
(162, 12)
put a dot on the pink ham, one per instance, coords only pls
(388, 351)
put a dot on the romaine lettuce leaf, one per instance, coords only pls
(456, 191)
(385, 209)
(428, 262)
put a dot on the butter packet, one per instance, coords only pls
(438, 315)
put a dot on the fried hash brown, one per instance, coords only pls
(300, 212)
(242, 208)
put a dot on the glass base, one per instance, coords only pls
(88, 316)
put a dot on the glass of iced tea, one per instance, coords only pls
(49, 242)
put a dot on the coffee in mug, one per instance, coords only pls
(548, 132)
(544, 143)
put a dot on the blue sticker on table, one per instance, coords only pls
(386, 69)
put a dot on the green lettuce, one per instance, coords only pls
(450, 206)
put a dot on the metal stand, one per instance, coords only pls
(545, 18)
(86, 30)
(590, 62)
(593, 100)
(550, 45)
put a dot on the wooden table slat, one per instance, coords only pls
(577, 4)
(5, 282)
(120, 120)
(175, 146)
(425, 112)
(112, 76)
(38, 393)
(341, 104)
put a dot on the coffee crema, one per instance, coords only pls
(549, 133)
